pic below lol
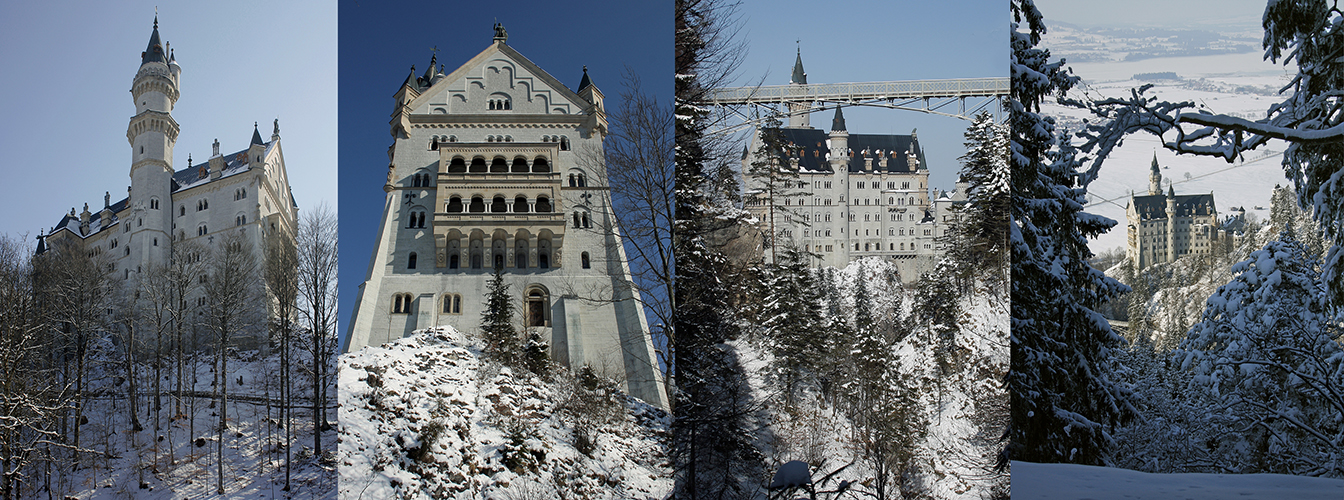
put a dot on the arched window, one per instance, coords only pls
(520, 253)
(498, 165)
(452, 303)
(544, 254)
(499, 261)
(153, 203)
(477, 205)
(453, 261)
(454, 204)
(519, 165)
(498, 206)
(415, 219)
(457, 166)
(585, 220)
(538, 305)
(583, 181)
(410, 261)
(201, 230)
(540, 165)
(401, 303)
(576, 220)
(182, 210)
(543, 205)
(564, 143)
(586, 263)
(478, 164)
(240, 220)
(573, 180)
(520, 204)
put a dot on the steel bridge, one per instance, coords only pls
(925, 96)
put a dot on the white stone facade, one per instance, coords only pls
(487, 171)
(1164, 227)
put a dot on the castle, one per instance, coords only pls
(868, 194)
(486, 173)
(1163, 227)
(245, 192)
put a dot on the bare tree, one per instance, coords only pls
(231, 309)
(281, 273)
(317, 266)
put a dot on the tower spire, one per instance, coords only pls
(838, 123)
(799, 76)
(154, 51)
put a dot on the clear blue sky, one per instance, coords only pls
(380, 41)
(881, 40)
(66, 102)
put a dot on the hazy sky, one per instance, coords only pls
(380, 42)
(881, 40)
(66, 98)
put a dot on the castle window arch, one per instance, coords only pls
(454, 205)
(477, 205)
(457, 165)
(538, 306)
(181, 210)
(576, 220)
(497, 205)
(416, 218)
(564, 143)
(452, 303)
(540, 165)
(520, 253)
(519, 165)
(477, 164)
(543, 205)
(520, 204)
(401, 303)
(498, 165)
(201, 230)
(586, 223)
(239, 220)
(154, 203)
(544, 253)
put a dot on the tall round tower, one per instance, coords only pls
(152, 134)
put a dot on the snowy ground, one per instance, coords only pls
(434, 389)
(253, 463)
(1068, 481)
(1239, 84)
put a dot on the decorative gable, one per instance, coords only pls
(498, 80)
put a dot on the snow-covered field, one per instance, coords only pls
(1239, 84)
(428, 417)
(1068, 481)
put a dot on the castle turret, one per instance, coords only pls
(798, 111)
(1154, 178)
(255, 149)
(152, 133)
(84, 220)
(597, 120)
(839, 137)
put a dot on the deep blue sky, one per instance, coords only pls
(881, 40)
(65, 95)
(380, 41)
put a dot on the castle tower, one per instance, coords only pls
(1154, 178)
(798, 111)
(152, 134)
(1171, 224)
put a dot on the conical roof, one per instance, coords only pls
(585, 82)
(256, 134)
(838, 123)
(154, 51)
(799, 76)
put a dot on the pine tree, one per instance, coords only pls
(501, 340)
(775, 182)
(1064, 396)
(792, 318)
(1266, 355)
(980, 232)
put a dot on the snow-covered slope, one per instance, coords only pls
(428, 417)
(1068, 481)
(179, 462)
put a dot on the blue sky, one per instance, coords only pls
(379, 43)
(868, 41)
(66, 95)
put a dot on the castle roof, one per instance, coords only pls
(1154, 207)
(585, 82)
(187, 178)
(154, 52)
(811, 148)
(799, 76)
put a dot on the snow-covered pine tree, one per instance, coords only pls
(497, 329)
(796, 332)
(1064, 397)
(1266, 354)
(981, 232)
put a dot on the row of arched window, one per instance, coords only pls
(498, 204)
(577, 180)
(420, 179)
(458, 165)
(537, 312)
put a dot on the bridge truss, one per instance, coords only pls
(925, 96)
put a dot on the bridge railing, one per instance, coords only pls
(859, 91)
